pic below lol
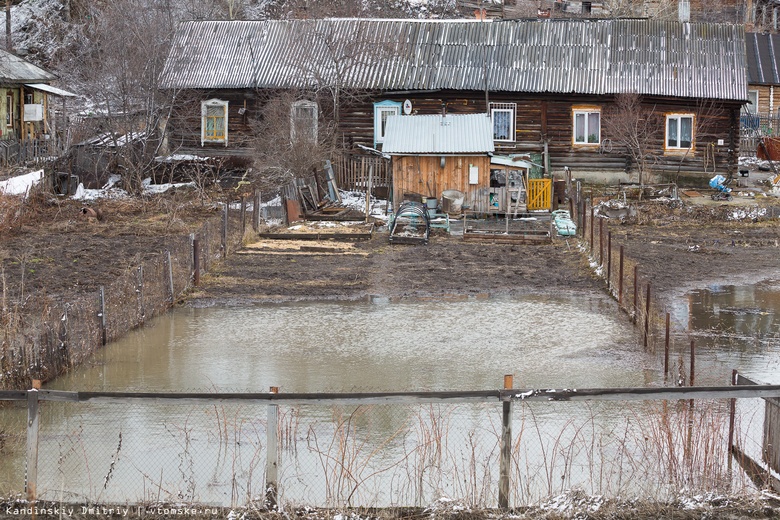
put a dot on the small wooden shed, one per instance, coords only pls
(434, 153)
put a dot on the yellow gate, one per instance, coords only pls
(539, 194)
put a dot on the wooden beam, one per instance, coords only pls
(591, 394)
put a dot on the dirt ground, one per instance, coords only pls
(679, 245)
(51, 247)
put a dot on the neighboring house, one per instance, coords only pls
(547, 85)
(26, 106)
(763, 74)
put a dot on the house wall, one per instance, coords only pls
(767, 103)
(424, 175)
(539, 118)
(184, 125)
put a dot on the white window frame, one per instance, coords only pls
(382, 111)
(587, 114)
(305, 104)
(204, 106)
(678, 118)
(503, 108)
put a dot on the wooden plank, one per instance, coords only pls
(316, 236)
(760, 476)
(594, 394)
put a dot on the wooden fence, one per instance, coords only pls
(352, 173)
(276, 437)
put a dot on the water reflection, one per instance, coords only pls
(429, 345)
(736, 327)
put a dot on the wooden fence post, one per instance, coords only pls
(170, 275)
(102, 314)
(620, 280)
(732, 416)
(196, 262)
(647, 316)
(140, 291)
(225, 230)
(505, 464)
(636, 293)
(272, 455)
(609, 260)
(601, 241)
(243, 215)
(666, 348)
(592, 223)
(33, 423)
(583, 221)
(256, 212)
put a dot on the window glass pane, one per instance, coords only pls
(384, 113)
(579, 128)
(593, 127)
(686, 132)
(672, 132)
(215, 111)
(502, 124)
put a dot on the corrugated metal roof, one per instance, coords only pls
(588, 56)
(763, 58)
(437, 134)
(51, 90)
(16, 70)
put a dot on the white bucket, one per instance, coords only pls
(452, 201)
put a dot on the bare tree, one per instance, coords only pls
(119, 63)
(289, 146)
(633, 126)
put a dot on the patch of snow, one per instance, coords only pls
(747, 213)
(21, 184)
(162, 188)
(572, 501)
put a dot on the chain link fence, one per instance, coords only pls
(484, 449)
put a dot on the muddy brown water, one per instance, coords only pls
(573, 340)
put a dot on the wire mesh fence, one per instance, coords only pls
(45, 335)
(327, 450)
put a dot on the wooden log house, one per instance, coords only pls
(548, 86)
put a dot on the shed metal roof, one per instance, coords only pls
(437, 134)
(14, 69)
(763, 58)
(587, 56)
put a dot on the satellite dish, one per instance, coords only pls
(407, 107)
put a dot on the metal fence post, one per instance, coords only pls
(33, 416)
(272, 455)
(506, 448)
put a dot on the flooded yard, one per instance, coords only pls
(215, 452)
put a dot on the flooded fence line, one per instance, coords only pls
(632, 291)
(45, 336)
(494, 448)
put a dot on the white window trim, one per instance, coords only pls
(504, 107)
(392, 110)
(678, 117)
(587, 112)
(204, 105)
(305, 103)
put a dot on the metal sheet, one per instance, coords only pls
(437, 134)
(588, 56)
